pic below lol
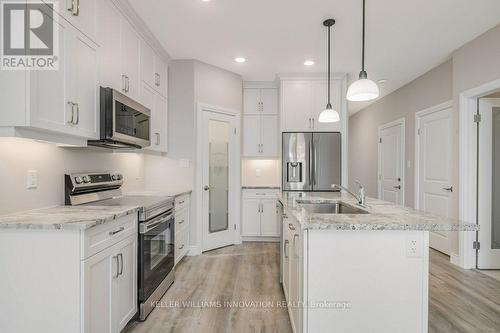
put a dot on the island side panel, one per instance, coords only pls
(375, 273)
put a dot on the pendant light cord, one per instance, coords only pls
(363, 38)
(329, 28)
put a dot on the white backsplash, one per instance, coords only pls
(260, 173)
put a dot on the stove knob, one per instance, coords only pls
(114, 177)
(78, 180)
(86, 179)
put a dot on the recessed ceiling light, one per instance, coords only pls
(382, 81)
(308, 62)
(205, 0)
(240, 59)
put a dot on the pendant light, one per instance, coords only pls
(363, 89)
(329, 115)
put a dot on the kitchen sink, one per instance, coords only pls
(331, 208)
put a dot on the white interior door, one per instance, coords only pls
(220, 162)
(434, 192)
(391, 162)
(489, 184)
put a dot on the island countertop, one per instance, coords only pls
(65, 217)
(381, 215)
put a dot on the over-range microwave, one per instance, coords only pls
(124, 123)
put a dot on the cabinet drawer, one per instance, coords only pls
(181, 202)
(264, 193)
(181, 220)
(100, 237)
(181, 244)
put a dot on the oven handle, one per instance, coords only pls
(145, 227)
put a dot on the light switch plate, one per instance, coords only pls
(32, 179)
(413, 247)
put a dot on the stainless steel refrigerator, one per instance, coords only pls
(311, 161)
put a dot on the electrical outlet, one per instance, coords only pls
(32, 179)
(258, 172)
(413, 248)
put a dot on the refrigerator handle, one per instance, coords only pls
(316, 171)
(312, 164)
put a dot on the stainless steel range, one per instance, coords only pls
(156, 229)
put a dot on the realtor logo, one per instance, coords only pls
(29, 35)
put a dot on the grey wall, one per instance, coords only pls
(473, 64)
(430, 89)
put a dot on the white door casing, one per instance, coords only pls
(433, 168)
(488, 255)
(391, 161)
(226, 128)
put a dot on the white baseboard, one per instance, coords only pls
(194, 250)
(259, 239)
(455, 259)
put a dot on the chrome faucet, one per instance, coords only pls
(360, 197)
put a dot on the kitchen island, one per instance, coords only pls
(356, 269)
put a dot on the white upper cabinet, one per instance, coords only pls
(81, 14)
(108, 20)
(153, 69)
(260, 101)
(158, 106)
(129, 56)
(302, 100)
(260, 122)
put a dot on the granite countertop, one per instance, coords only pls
(260, 187)
(65, 217)
(172, 194)
(382, 215)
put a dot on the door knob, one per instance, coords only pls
(448, 188)
(206, 188)
(397, 187)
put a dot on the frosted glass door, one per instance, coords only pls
(218, 152)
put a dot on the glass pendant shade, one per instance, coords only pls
(362, 90)
(329, 115)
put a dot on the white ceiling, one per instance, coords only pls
(404, 38)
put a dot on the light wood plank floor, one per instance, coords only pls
(461, 301)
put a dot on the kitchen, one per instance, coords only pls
(151, 224)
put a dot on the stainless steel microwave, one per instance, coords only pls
(124, 123)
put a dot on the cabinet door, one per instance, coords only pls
(98, 273)
(251, 135)
(251, 217)
(269, 99)
(161, 124)
(296, 106)
(129, 53)
(269, 219)
(108, 20)
(269, 134)
(81, 14)
(161, 69)
(294, 283)
(148, 56)
(84, 60)
(251, 101)
(320, 99)
(49, 94)
(286, 259)
(124, 299)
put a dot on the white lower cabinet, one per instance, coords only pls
(293, 272)
(259, 218)
(182, 206)
(110, 287)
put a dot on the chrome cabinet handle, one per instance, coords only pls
(117, 266)
(294, 247)
(158, 140)
(181, 202)
(181, 222)
(73, 6)
(128, 83)
(72, 121)
(206, 188)
(112, 233)
(181, 247)
(285, 248)
(450, 189)
(77, 113)
(120, 256)
(398, 187)
(124, 84)
(291, 226)
(313, 123)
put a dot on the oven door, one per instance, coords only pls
(156, 253)
(131, 121)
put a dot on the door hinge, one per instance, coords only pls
(235, 131)
(235, 227)
(477, 118)
(380, 140)
(476, 245)
(418, 131)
